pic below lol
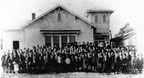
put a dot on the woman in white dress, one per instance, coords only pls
(16, 67)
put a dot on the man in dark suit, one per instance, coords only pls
(3, 59)
(30, 62)
(10, 62)
(139, 63)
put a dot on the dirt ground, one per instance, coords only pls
(72, 75)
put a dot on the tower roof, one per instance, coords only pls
(99, 10)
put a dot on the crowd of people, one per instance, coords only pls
(76, 57)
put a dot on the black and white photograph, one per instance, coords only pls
(71, 39)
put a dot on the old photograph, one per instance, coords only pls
(71, 39)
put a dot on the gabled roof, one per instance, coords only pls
(54, 9)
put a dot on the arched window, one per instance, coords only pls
(96, 18)
(59, 17)
(104, 18)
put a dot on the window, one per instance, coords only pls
(59, 17)
(56, 40)
(1, 44)
(72, 39)
(48, 41)
(104, 18)
(96, 18)
(64, 41)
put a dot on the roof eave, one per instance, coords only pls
(100, 11)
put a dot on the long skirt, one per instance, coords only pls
(16, 67)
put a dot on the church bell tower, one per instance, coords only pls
(101, 18)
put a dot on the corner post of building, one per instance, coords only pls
(60, 42)
(77, 36)
(92, 29)
(27, 37)
(52, 41)
(110, 37)
(68, 37)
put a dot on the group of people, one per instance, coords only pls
(85, 57)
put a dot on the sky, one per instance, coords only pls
(15, 13)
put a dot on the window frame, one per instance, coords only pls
(104, 18)
(70, 38)
(59, 16)
(48, 43)
(1, 44)
(96, 18)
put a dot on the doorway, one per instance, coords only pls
(15, 45)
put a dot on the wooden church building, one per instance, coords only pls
(59, 26)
